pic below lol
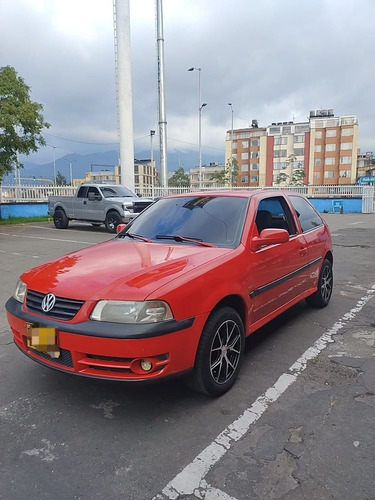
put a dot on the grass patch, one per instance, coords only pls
(24, 220)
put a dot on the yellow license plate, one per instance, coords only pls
(43, 339)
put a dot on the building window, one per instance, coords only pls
(234, 145)
(318, 148)
(346, 146)
(329, 161)
(344, 173)
(318, 134)
(255, 142)
(279, 165)
(254, 166)
(347, 132)
(274, 130)
(254, 178)
(244, 135)
(317, 162)
(316, 175)
(345, 160)
(299, 164)
(299, 138)
(330, 147)
(245, 144)
(329, 174)
(254, 154)
(244, 156)
(279, 153)
(299, 151)
(244, 179)
(244, 167)
(331, 133)
(302, 128)
(280, 140)
(287, 130)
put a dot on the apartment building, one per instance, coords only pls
(323, 150)
(207, 172)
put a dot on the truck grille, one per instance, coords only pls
(138, 206)
(63, 309)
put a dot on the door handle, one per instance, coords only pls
(303, 251)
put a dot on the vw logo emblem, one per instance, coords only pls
(48, 302)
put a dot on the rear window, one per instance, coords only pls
(307, 215)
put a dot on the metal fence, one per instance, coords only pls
(15, 193)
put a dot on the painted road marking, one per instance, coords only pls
(190, 481)
(48, 239)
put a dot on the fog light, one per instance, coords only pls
(146, 365)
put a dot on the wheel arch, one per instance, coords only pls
(236, 302)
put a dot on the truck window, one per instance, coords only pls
(82, 192)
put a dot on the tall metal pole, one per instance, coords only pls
(125, 101)
(161, 93)
(231, 147)
(200, 106)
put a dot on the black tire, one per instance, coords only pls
(112, 221)
(219, 355)
(323, 294)
(60, 219)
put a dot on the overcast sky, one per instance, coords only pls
(273, 60)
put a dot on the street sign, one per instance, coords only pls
(367, 179)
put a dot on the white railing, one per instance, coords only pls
(19, 194)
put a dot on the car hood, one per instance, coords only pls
(118, 269)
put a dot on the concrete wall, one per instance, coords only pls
(23, 210)
(323, 205)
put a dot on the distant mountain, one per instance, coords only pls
(93, 162)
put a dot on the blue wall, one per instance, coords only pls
(23, 210)
(323, 205)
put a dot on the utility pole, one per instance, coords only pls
(161, 93)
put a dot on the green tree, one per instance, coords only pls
(21, 121)
(281, 177)
(297, 178)
(60, 180)
(219, 176)
(179, 179)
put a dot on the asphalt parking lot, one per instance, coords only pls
(298, 424)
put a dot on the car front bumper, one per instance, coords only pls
(110, 350)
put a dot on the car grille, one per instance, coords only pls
(65, 358)
(138, 206)
(64, 308)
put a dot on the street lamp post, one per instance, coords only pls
(231, 146)
(200, 106)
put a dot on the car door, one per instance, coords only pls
(95, 205)
(80, 203)
(279, 272)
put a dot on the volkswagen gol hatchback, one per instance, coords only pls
(178, 289)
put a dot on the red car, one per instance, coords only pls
(178, 289)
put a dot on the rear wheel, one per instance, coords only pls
(323, 294)
(60, 219)
(219, 353)
(112, 221)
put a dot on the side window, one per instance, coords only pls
(82, 192)
(94, 190)
(308, 217)
(274, 213)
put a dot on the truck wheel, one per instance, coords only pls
(60, 219)
(112, 221)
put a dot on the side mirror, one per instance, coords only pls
(120, 227)
(270, 236)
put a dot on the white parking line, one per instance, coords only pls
(48, 239)
(190, 481)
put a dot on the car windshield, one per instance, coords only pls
(217, 220)
(117, 191)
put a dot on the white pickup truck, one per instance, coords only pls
(107, 204)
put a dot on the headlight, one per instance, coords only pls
(128, 207)
(19, 292)
(118, 311)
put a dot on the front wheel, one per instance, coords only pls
(323, 294)
(60, 219)
(219, 353)
(112, 221)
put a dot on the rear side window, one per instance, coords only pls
(308, 217)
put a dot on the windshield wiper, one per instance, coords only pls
(180, 239)
(135, 237)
